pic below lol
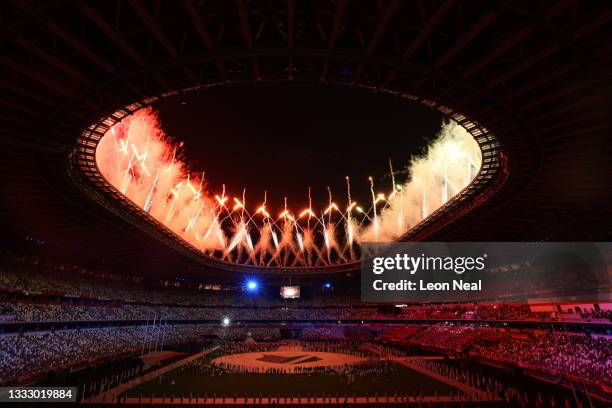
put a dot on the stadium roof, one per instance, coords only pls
(536, 75)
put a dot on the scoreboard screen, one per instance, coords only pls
(290, 292)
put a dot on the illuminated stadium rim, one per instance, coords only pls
(83, 170)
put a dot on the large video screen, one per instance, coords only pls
(290, 292)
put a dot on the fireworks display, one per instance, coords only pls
(142, 162)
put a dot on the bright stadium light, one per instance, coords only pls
(225, 322)
(327, 285)
(252, 285)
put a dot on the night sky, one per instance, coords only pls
(284, 137)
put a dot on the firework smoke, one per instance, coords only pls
(448, 165)
(142, 162)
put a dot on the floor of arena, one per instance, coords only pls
(287, 385)
(287, 361)
(277, 374)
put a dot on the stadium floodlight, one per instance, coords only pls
(252, 285)
(225, 322)
(327, 285)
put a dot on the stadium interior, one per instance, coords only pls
(187, 189)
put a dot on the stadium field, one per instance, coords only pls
(402, 380)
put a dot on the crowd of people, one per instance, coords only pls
(585, 357)
(41, 312)
(371, 365)
(451, 338)
(208, 365)
(80, 294)
(370, 368)
(257, 334)
(577, 356)
(32, 275)
(350, 347)
(64, 312)
(45, 312)
(29, 353)
(471, 311)
(33, 291)
(61, 312)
